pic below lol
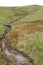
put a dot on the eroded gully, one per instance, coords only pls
(14, 59)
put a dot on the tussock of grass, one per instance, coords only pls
(28, 38)
(32, 46)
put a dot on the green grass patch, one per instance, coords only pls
(32, 46)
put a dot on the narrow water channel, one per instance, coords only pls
(20, 59)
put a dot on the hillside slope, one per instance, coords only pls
(26, 33)
(28, 38)
(38, 15)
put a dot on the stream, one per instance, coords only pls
(19, 58)
(14, 59)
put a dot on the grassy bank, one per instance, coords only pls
(25, 36)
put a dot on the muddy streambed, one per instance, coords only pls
(18, 58)
(14, 59)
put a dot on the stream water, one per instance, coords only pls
(18, 57)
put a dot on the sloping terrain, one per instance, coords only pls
(9, 15)
(28, 38)
(36, 15)
(25, 33)
(30, 9)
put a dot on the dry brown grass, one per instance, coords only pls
(28, 38)
(23, 29)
